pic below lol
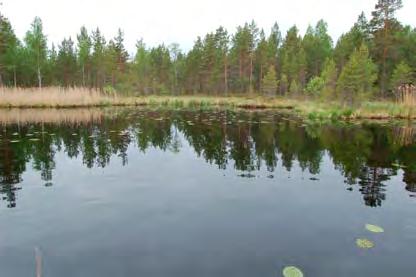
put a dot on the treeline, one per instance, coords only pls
(373, 58)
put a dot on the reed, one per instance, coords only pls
(76, 116)
(56, 97)
(53, 97)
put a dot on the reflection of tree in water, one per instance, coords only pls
(410, 179)
(372, 187)
(364, 154)
(11, 169)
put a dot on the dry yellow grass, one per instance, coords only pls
(55, 116)
(52, 97)
(56, 97)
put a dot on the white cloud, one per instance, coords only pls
(182, 21)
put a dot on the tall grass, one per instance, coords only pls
(52, 97)
(56, 97)
(76, 116)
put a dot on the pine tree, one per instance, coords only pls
(357, 77)
(284, 84)
(9, 45)
(403, 74)
(318, 47)
(352, 40)
(269, 82)
(84, 54)
(384, 25)
(66, 63)
(222, 41)
(329, 76)
(294, 88)
(261, 60)
(36, 45)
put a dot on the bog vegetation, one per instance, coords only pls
(373, 60)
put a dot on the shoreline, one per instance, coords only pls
(305, 108)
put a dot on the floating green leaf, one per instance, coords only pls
(364, 243)
(14, 141)
(398, 165)
(374, 228)
(292, 271)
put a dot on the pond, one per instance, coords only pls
(140, 192)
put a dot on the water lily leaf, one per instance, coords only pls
(292, 271)
(34, 139)
(398, 165)
(364, 243)
(374, 228)
(15, 141)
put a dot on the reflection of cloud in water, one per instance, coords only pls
(367, 154)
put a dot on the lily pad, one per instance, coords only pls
(398, 165)
(292, 271)
(14, 141)
(374, 228)
(364, 243)
(34, 139)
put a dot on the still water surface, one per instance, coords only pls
(197, 193)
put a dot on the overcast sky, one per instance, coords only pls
(181, 21)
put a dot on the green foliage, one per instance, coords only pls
(294, 88)
(364, 243)
(292, 271)
(403, 74)
(269, 82)
(318, 48)
(284, 84)
(315, 86)
(357, 77)
(383, 27)
(293, 58)
(329, 76)
(36, 47)
(220, 62)
(352, 40)
(374, 228)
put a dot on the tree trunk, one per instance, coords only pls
(251, 74)
(385, 54)
(225, 76)
(261, 78)
(39, 78)
(14, 77)
(83, 76)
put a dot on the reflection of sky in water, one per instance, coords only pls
(167, 211)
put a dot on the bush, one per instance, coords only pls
(315, 86)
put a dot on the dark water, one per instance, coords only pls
(169, 193)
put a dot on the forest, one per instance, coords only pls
(370, 61)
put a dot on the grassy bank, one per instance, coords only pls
(315, 110)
